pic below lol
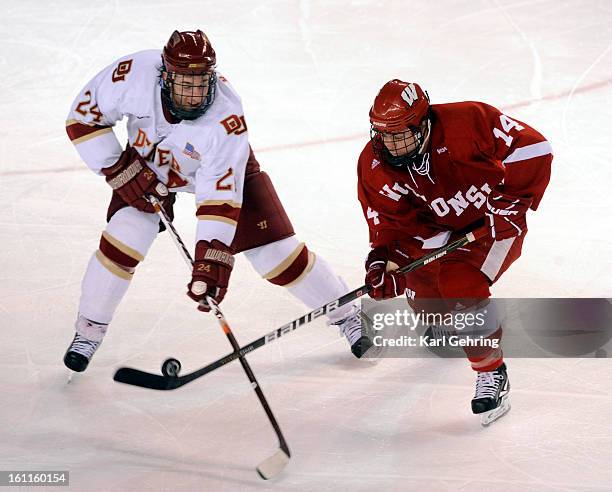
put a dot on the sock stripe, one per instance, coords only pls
(121, 248)
(292, 268)
(112, 267)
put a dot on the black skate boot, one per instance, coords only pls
(361, 343)
(492, 395)
(86, 341)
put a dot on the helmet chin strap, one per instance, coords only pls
(426, 139)
(424, 167)
(407, 162)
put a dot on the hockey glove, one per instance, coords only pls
(380, 265)
(507, 215)
(211, 272)
(132, 179)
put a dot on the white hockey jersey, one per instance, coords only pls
(206, 156)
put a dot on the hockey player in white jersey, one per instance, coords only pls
(187, 133)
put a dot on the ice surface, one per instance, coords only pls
(307, 73)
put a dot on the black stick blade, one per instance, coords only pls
(127, 375)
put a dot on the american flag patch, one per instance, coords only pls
(191, 152)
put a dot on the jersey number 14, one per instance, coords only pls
(507, 124)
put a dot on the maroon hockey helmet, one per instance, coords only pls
(190, 56)
(189, 52)
(400, 109)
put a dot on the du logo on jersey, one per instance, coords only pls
(409, 94)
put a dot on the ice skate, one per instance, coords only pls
(492, 399)
(352, 327)
(88, 337)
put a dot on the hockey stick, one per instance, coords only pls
(273, 465)
(155, 381)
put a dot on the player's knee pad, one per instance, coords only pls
(462, 285)
(117, 256)
(283, 262)
(478, 321)
(126, 241)
(465, 291)
(290, 264)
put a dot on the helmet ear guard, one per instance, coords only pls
(190, 55)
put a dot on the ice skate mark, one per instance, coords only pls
(535, 87)
(305, 32)
(576, 90)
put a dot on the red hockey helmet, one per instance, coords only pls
(399, 122)
(189, 52)
(398, 107)
(190, 56)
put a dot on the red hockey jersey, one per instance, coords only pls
(473, 149)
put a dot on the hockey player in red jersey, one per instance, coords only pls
(187, 133)
(430, 171)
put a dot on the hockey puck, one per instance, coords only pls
(171, 368)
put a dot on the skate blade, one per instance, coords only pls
(70, 376)
(491, 416)
(373, 354)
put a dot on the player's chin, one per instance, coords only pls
(188, 107)
(406, 152)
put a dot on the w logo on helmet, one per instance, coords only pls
(409, 94)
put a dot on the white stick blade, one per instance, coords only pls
(273, 465)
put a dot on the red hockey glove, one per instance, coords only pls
(380, 271)
(507, 215)
(132, 179)
(211, 272)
